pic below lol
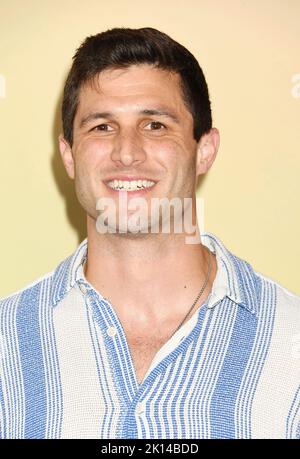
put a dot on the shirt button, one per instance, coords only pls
(83, 288)
(111, 331)
(140, 408)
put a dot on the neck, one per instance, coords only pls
(148, 273)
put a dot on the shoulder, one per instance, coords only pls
(247, 286)
(29, 292)
(286, 299)
(49, 289)
(262, 291)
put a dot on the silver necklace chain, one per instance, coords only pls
(199, 294)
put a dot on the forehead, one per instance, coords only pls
(135, 84)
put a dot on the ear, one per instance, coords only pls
(67, 156)
(207, 150)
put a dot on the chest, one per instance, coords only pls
(143, 350)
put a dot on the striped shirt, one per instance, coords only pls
(231, 371)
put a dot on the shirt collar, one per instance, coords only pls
(234, 279)
(68, 273)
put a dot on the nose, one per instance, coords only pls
(128, 149)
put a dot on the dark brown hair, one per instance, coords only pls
(122, 47)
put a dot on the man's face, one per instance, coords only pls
(133, 125)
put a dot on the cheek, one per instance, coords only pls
(179, 160)
(174, 155)
(176, 146)
(166, 151)
(90, 153)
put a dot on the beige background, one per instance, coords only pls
(250, 53)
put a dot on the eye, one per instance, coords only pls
(102, 127)
(156, 126)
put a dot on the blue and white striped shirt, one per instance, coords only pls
(231, 371)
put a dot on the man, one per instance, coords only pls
(141, 334)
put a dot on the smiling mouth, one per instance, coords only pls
(130, 185)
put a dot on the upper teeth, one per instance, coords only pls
(131, 185)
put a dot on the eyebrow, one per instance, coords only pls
(147, 111)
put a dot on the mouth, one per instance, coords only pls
(130, 185)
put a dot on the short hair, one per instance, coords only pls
(119, 48)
